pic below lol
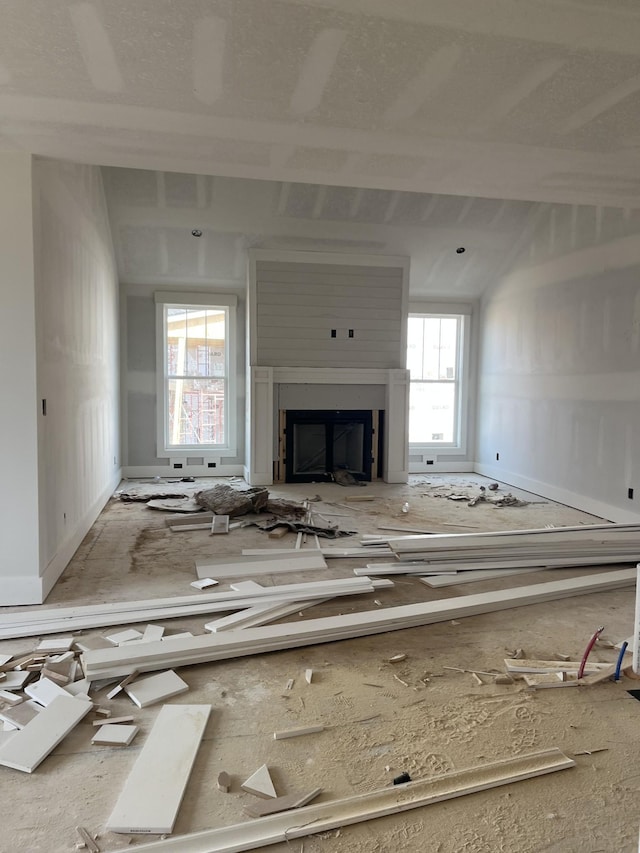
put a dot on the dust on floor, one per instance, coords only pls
(381, 718)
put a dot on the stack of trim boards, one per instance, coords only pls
(588, 545)
(108, 663)
(31, 623)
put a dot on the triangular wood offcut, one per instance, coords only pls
(260, 784)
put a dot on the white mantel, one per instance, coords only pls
(260, 414)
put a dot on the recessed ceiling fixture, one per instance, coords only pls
(460, 250)
(198, 233)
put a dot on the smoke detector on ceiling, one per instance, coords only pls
(196, 232)
(460, 250)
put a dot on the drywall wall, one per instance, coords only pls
(76, 298)
(19, 562)
(559, 377)
(139, 383)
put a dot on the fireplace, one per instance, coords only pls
(319, 443)
(383, 392)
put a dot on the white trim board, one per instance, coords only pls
(154, 789)
(474, 577)
(156, 688)
(268, 564)
(459, 564)
(31, 745)
(262, 614)
(215, 602)
(323, 817)
(106, 663)
(327, 553)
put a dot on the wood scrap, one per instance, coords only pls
(126, 718)
(260, 783)
(155, 688)
(219, 525)
(278, 532)
(281, 804)
(524, 665)
(289, 733)
(327, 532)
(87, 840)
(27, 748)
(224, 782)
(151, 796)
(115, 735)
(323, 817)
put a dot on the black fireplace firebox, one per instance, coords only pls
(318, 443)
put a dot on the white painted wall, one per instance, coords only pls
(76, 299)
(19, 560)
(559, 377)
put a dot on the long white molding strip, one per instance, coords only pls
(26, 749)
(106, 663)
(327, 553)
(607, 529)
(262, 614)
(483, 540)
(436, 582)
(462, 565)
(268, 563)
(543, 556)
(216, 602)
(322, 817)
(152, 794)
(37, 615)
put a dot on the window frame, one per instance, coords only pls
(459, 445)
(205, 301)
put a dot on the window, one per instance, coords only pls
(196, 400)
(434, 361)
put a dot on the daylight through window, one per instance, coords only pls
(194, 364)
(433, 360)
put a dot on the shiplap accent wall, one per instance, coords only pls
(296, 304)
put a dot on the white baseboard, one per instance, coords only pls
(563, 496)
(257, 479)
(18, 589)
(144, 472)
(443, 467)
(68, 548)
(395, 477)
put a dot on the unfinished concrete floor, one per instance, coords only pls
(381, 719)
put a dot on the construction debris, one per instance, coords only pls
(224, 782)
(224, 500)
(301, 527)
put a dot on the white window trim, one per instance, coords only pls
(229, 302)
(459, 446)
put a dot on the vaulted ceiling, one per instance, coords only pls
(516, 99)
(361, 118)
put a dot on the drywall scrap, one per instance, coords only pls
(310, 820)
(145, 657)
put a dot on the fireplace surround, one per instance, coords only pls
(262, 414)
